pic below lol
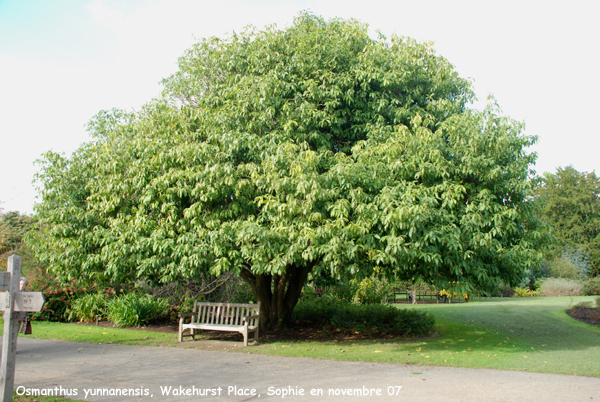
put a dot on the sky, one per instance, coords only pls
(63, 61)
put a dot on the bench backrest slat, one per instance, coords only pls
(222, 314)
(225, 313)
(215, 314)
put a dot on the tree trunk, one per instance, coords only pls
(278, 294)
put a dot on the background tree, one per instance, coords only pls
(571, 205)
(13, 228)
(279, 153)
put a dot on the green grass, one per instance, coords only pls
(532, 334)
(98, 334)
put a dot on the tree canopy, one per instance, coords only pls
(277, 154)
(13, 228)
(571, 205)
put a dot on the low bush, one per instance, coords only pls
(370, 290)
(563, 268)
(561, 287)
(135, 309)
(345, 316)
(58, 296)
(584, 305)
(592, 286)
(87, 307)
(520, 292)
(502, 291)
(506, 291)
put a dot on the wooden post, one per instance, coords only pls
(11, 332)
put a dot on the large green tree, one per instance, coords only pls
(277, 154)
(571, 205)
(13, 228)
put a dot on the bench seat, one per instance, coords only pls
(232, 317)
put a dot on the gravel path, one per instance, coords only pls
(110, 372)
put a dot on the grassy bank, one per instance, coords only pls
(532, 334)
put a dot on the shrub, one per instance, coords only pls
(561, 287)
(503, 290)
(87, 307)
(58, 296)
(135, 309)
(573, 263)
(563, 268)
(520, 292)
(344, 291)
(584, 305)
(371, 290)
(592, 286)
(345, 316)
(506, 291)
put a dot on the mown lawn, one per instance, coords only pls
(533, 334)
(97, 334)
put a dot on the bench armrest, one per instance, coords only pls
(250, 317)
(183, 316)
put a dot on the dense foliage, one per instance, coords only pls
(347, 316)
(136, 309)
(89, 307)
(571, 205)
(553, 287)
(278, 153)
(58, 295)
(13, 228)
(592, 286)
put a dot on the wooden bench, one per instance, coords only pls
(233, 317)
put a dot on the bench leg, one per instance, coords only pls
(192, 331)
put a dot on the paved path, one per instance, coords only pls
(167, 374)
